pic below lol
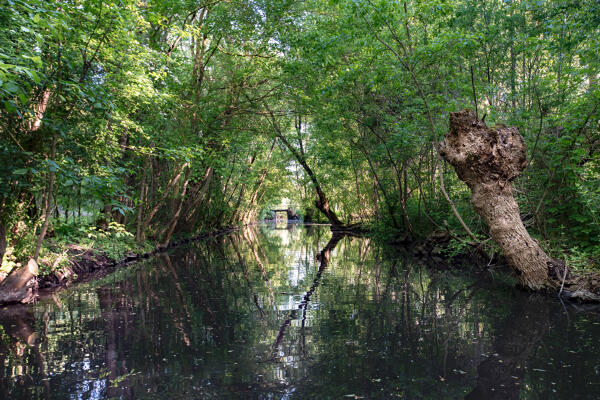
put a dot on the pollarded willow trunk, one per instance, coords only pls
(488, 160)
(500, 211)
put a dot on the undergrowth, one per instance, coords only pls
(67, 239)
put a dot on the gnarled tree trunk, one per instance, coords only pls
(488, 160)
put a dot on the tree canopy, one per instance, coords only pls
(155, 119)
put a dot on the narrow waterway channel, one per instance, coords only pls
(288, 312)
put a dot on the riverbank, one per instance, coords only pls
(72, 259)
(68, 259)
(226, 317)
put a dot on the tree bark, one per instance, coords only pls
(39, 110)
(16, 288)
(488, 160)
(48, 202)
(3, 242)
(173, 223)
(160, 203)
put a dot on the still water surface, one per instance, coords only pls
(288, 313)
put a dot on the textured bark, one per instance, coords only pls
(3, 242)
(488, 160)
(17, 285)
(39, 110)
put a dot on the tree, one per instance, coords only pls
(489, 160)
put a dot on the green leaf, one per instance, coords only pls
(35, 76)
(53, 166)
(11, 87)
(10, 106)
(37, 60)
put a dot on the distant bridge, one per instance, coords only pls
(288, 213)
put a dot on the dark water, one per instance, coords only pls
(288, 314)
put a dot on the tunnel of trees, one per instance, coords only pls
(126, 124)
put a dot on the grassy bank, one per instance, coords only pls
(74, 242)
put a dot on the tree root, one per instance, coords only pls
(583, 287)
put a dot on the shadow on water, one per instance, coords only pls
(297, 313)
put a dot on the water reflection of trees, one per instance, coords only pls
(273, 312)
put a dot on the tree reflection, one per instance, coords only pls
(500, 375)
(19, 339)
(299, 314)
(323, 258)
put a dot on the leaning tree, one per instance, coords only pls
(488, 160)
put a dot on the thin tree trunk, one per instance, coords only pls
(160, 202)
(39, 110)
(454, 210)
(79, 202)
(48, 203)
(236, 209)
(390, 207)
(173, 223)
(513, 76)
(199, 197)
(402, 189)
(322, 203)
(254, 197)
(140, 211)
(3, 242)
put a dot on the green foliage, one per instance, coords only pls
(157, 112)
